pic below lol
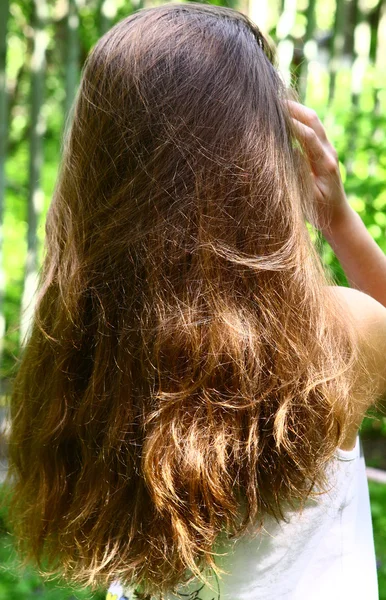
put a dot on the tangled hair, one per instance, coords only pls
(187, 357)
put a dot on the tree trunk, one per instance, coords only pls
(72, 55)
(4, 12)
(336, 48)
(350, 23)
(285, 46)
(107, 10)
(358, 66)
(375, 59)
(374, 19)
(310, 29)
(35, 196)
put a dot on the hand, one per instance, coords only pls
(330, 199)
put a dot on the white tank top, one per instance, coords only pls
(324, 552)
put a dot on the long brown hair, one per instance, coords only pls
(186, 358)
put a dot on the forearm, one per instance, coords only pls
(361, 258)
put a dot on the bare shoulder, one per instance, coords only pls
(365, 308)
(369, 316)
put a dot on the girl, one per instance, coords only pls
(185, 415)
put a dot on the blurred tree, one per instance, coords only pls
(336, 48)
(35, 200)
(107, 10)
(285, 43)
(4, 12)
(377, 133)
(349, 24)
(72, 54)
(310, 30)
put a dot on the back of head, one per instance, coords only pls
(185, 358)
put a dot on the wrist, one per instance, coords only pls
(342, 219)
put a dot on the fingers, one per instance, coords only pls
(311, 133)
(312, 145)
(308, 117)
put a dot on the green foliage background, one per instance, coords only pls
(355, 122)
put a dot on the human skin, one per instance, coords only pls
(361, 258)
